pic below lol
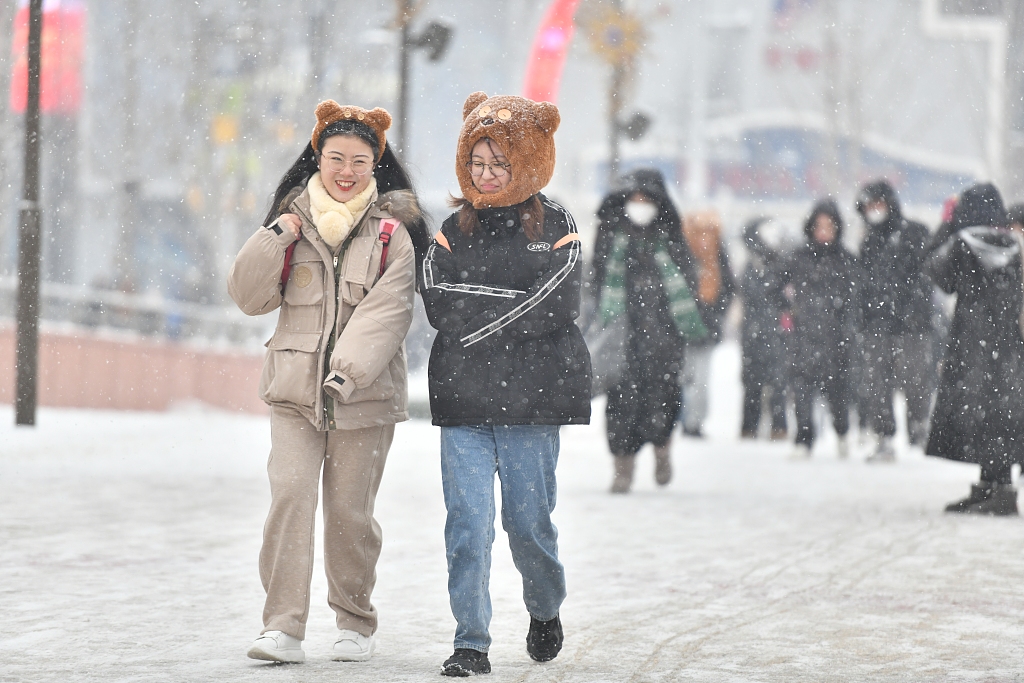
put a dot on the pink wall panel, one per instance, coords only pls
(82, 369)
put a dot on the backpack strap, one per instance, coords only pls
(387, 229)
(287, 263)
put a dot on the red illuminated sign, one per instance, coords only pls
(61, 79)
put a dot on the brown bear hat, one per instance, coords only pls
(330, 112)
(524, 130)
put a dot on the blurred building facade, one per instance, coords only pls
(191, 111)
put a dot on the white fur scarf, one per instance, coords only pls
(334, 219)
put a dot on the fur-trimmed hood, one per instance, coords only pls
(400, 204)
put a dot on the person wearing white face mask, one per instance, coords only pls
(642, 278)
(641, 211)
(896, 315)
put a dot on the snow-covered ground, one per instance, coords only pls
(128, 546)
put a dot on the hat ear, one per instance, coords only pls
(327, 109)
(380, 118)
(472, 102)
(547, 117)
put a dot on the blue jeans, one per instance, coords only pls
(524, 457)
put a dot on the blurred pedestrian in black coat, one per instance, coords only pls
(822, 282)
(639, 257)
(762, 338)
(896, 317)
(979, 411)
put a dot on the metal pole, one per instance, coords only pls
(28, 236)
(404, 18)
(1013, 168)
(615, 95)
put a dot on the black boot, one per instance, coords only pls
(466, 662)
(544, 641)
(1002, 502)
(980, 492)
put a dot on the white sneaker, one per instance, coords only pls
(801, 451)
(353, 647)
(277, 646)
(843, 448)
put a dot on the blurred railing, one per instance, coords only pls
(147, 314)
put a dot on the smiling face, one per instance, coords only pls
(485, 158)
(355, 159)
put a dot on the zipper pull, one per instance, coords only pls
(335, 261)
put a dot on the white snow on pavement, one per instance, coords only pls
(128, 548)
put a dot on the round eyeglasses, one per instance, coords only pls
(498, 169)
(338, 164)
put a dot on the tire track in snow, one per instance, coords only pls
(868, 564)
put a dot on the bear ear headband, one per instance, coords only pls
(329, 112)
(544, 114)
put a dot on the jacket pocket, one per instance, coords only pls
(302, 311)
(290, 370)
(358, 278)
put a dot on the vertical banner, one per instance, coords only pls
(550, 48)
(61, 79)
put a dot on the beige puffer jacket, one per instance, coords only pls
(366, 375)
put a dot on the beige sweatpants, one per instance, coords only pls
(352, 461)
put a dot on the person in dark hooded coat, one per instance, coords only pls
(822, 280)
(638, 258)
(896, 317)
(979, 411)
(762, 337)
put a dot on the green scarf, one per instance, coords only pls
(680, 300)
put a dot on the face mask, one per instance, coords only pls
(641, 213)
(876, 216)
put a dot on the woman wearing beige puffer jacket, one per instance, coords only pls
(337, 256)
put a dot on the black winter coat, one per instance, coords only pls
(508, 351)
(979, 410)
(895, 294)
(761, 335)
(653, 337)
(643, 405)
(824, 295)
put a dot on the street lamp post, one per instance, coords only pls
(434, 39)
(29, 235)
(617, 36)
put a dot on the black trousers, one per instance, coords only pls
(898, 362)
(755, 383)
(643, 408)
(835, 389)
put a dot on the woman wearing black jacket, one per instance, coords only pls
(507, 368)
(821, 280)
(979, 410)
(643, 267)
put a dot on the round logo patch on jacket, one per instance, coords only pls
(538, 246)
(303, 276)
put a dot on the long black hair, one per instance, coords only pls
(389, 172)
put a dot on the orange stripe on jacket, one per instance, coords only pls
(571, 237)
(442, 240)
